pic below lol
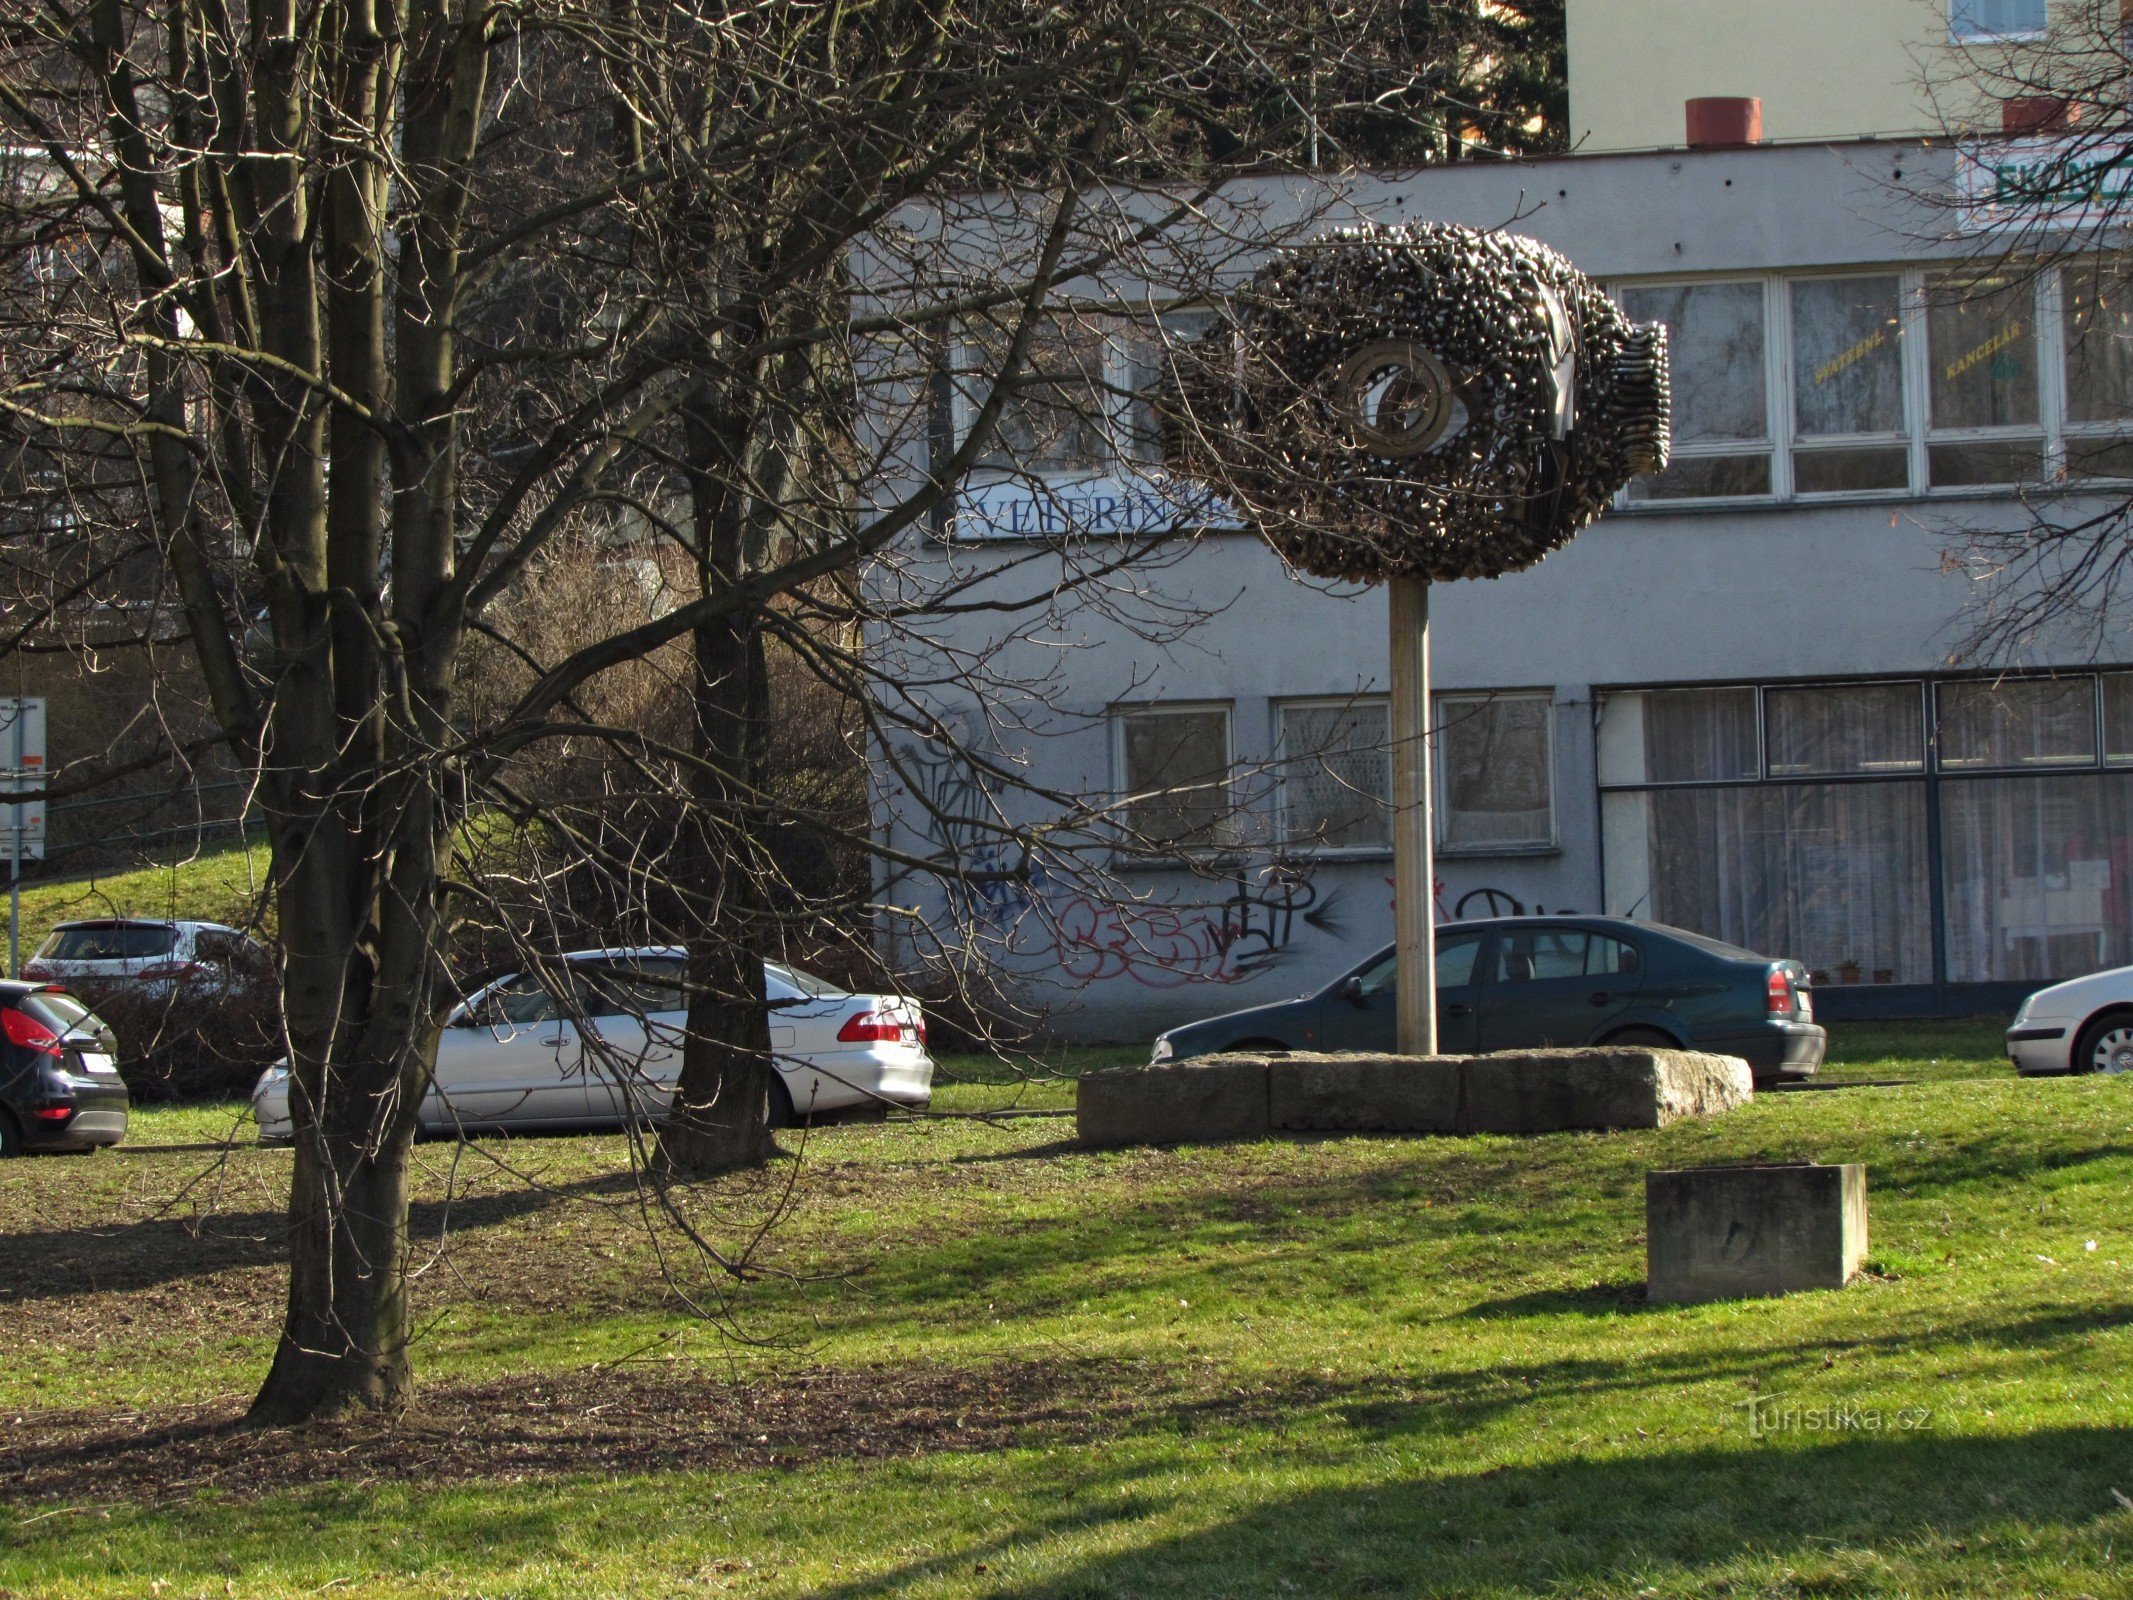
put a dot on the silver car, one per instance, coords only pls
(512, 1057)
(150, 956)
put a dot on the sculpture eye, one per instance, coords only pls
(1398, 398)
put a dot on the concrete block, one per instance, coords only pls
(1205, 1100)
(1549, 1091)
(1309, 1093)
(1726, 1233)
(1214, 1098)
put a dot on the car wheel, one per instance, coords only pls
(780, 1113)
(1641, 1039)
(10, 1137)
(2106, 1045)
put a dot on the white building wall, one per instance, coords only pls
(1654, 595)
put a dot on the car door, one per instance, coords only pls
(513, 1062)
(1363, 1014)
(1553, 985)
(632, 1054)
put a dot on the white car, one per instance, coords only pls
(511, 1058)
(2082, 1025)
(149, 955)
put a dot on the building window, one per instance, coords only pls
(2118, 719)
(1495, 772)
(1834, 875)
(1981, 359)
(1845, 728)
(1819, 866)
(1173, 765)
(1336, 775)
(2036, 879)
(1849, 427)
(1056, 417)
(1682, 736)
(1812, 842)
(2096, 333)
(1981, 21)
(2022, 722)
(1715, 342)
(1153, 348)
(1898, 381)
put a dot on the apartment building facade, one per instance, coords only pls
(1740, 703)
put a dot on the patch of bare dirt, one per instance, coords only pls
(621, 1420)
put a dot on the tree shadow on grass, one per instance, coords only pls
(1844, 1507)
(1885, 1512)
(127, 1257)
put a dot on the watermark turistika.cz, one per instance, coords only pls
(1770, 1414)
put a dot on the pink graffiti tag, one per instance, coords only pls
(1154, 947)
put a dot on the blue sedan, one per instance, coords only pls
(1522, 983)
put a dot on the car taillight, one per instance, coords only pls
(171, 969)
(23, 1029)
(53, 1113)
(1780, 992)
(872, 1027)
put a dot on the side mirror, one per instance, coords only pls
(1352, 989)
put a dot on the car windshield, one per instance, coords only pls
(109, 941)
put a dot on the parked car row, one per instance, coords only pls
(1519, 983)
(596, 1042)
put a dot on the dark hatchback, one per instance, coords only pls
(59, 1082)
(1521, 983)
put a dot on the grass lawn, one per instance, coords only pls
(219, 884)
(987, 1363)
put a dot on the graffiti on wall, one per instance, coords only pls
(987, 883)
(993, 888)
(1167, 947)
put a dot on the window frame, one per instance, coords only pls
(1440, 775)
(1775, 394)
(1939, 786)
(1984, 35)
(1290, 842)
(1117, 328)
(968, 361)
(1226, 831)
(2067, 431)
(1929, 686)
(1793, 444)
(2045, 285)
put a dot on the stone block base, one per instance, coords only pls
(1541, 1091)
(1363, 1094)
(1548, 1091)
(1728, 1233)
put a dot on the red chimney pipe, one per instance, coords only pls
(2037, 113)
(1719, 121)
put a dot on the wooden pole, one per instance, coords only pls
(1413, 850)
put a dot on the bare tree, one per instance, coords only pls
(345, 315)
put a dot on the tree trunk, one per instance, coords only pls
(720, 1117)
(344, 1341)
(719, 1120)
